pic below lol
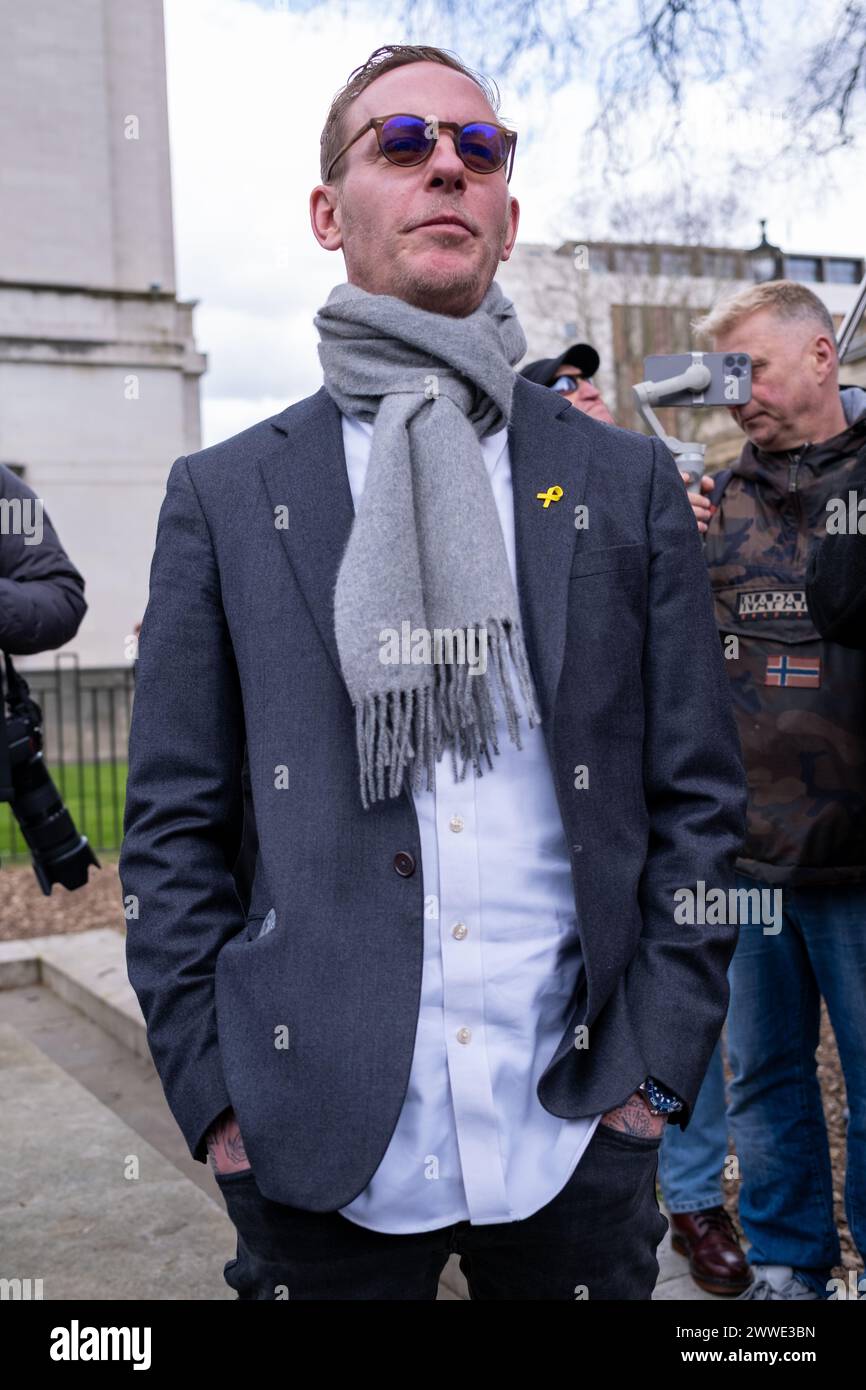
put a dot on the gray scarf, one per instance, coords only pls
(424, 585)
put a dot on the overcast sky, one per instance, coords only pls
(249, 86)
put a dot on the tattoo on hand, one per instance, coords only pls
(634, 1118)
(225, 1145)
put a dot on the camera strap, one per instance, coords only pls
(19, 699)
(7, 790)
(16, 695)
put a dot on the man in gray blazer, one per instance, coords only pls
(450, 1009)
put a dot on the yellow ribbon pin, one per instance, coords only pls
(553, 494)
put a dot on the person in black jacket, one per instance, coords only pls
(41, 592)
(836, 586)
(41, 600)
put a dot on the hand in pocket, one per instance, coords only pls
(634, 1117)
(225, 1146)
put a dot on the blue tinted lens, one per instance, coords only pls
(483, 147)
(404, 140)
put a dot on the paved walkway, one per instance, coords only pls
(86, 1204)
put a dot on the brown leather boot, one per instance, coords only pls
(709, 1242)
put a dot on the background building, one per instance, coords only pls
(632, 301)
(99, 374)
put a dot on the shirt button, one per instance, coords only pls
(459, 930)
(464, 1034)
(456, 823)
(404, 863)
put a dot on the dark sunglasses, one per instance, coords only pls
(567, 384)
(405, 140)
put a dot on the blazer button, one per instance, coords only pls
(404, 863)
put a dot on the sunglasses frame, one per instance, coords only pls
(377, 122)
(576, 379)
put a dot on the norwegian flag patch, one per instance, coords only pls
(793, 670)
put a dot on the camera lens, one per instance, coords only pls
(729, 361)
(742, 361)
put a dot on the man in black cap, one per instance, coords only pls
(572, 374)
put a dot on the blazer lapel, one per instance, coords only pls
(546, 452)
(308, 476)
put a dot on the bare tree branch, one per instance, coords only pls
(647, 55)
(836, 73)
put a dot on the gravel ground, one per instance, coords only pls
(25, 912)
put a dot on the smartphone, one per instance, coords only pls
(730, 377)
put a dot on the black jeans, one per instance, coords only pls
(596, 1239)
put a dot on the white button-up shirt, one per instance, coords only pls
(502, 959)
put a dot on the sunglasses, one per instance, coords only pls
(565, 384)
(408, 140)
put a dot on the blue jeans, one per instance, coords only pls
(691, 1160)
(776, 1115)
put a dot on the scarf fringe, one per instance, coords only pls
(396, 728)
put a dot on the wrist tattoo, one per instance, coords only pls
(633, 1117)
(225, 1145)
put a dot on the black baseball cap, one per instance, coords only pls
(546, 369)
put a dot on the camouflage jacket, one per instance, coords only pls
(800, 701)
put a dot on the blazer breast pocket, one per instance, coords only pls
(609, 559)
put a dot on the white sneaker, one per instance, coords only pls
(778, 1282)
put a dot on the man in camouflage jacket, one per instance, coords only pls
(799, 699)
(799, 702)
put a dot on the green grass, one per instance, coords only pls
(93, 794)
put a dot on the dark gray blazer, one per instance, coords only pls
(308, 1030)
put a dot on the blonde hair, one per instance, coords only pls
(784, 298)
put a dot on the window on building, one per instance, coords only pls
(802, 268)
(570, 331)
(681, 333)
(675, 262)
(598, 258)
(856, 350)
(841, 272)
(721, 265)
(632, 260)
(634, 327)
